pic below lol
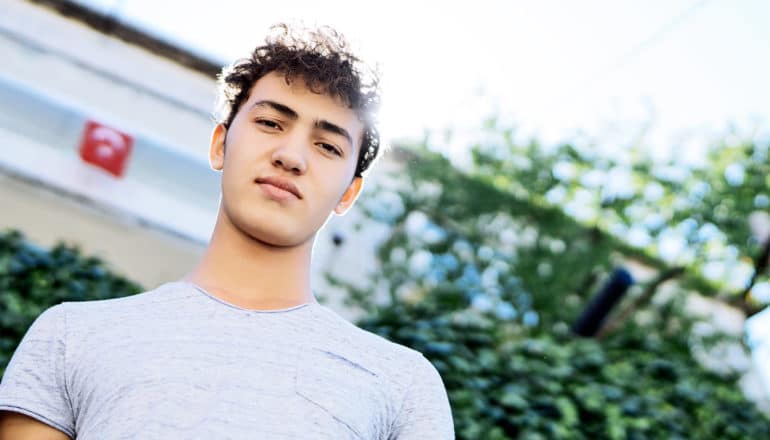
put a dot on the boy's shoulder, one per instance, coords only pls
(348, 337)
(164, 294)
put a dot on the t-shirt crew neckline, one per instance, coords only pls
(242, 309)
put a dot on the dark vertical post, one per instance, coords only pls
(593, 316)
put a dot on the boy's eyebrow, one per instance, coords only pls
(320, 124)
(334, 128)
(277, 106)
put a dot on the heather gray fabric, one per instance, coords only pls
(178, 363)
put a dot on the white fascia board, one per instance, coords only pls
(56, 33)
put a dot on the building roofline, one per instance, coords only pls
(113, 27)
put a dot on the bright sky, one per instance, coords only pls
(550, 67)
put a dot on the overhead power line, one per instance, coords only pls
(656, 36)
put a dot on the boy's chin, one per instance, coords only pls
(279, 239)
(273, 232)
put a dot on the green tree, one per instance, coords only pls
(487, 269)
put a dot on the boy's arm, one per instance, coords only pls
(425, 411)
(15, 426)
(33, 385)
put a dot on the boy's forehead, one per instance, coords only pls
(295, 93)
(296, 87)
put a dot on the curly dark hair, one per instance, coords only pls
(322, 58)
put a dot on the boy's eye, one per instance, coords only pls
(268, 123)
(330, 148)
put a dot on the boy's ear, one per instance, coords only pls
(217, 147)
(350, 196)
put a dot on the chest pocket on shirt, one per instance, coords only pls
(343, 396)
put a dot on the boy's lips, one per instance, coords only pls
(279, 187)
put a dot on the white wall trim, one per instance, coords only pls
(68, 174)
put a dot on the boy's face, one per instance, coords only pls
(290, 160)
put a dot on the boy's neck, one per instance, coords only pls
(253, 275)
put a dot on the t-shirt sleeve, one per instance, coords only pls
(33, 383)
(425, 411)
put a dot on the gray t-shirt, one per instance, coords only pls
(178, 363)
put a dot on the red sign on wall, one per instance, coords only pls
(106, 148)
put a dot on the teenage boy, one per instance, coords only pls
(239, 348)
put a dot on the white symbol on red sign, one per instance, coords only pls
(105, 147)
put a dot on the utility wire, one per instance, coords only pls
(640, 47)
(655, 36)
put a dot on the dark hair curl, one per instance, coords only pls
(322, 58)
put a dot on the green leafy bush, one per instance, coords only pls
(485, 279)
(504, 384)
(34, 279)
